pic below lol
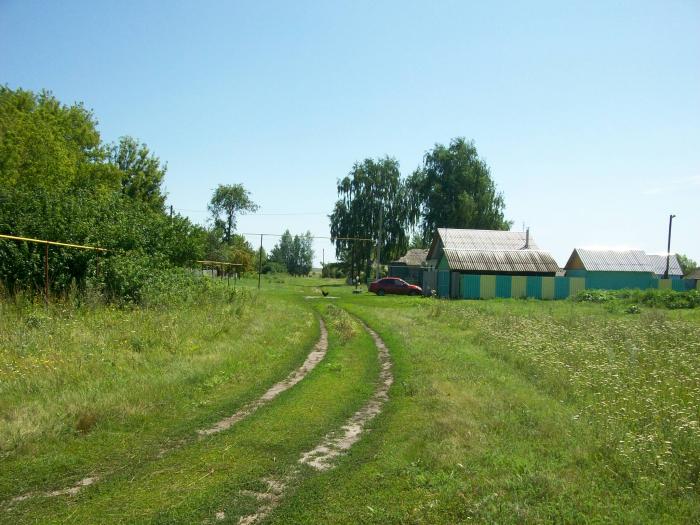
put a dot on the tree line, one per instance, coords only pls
(452, 189)
(60, 181)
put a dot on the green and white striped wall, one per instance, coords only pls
(456, 285)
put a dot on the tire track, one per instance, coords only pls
(333, 444)
(315, 356)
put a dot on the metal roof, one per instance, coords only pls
(455, 239)
(659, 264)
(413, 257)
(613, 261)
(507, 261)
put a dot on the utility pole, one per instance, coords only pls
(260, 261)
(379, 240)
(171, 212)
(323, 260)
(352, 267)
(668, 249)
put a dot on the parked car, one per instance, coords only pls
(394, 285)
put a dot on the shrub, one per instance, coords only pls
(652, 298)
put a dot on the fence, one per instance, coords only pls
(462, 286)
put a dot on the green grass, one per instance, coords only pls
(504, 411)
(89, 390)
(523, 412)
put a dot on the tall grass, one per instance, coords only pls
(82, 385)
(634, 379)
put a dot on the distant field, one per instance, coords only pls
(505, 411)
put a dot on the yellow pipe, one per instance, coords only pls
(219, 262)
(53, 243)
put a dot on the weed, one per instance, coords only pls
(342, 323)
(85, 423)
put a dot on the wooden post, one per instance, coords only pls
(260, 261)
(46, 273)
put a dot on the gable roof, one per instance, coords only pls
(611, 260)
(486, 240)
(506, 261)
(695, 274)
(413, 257)
(659, 264)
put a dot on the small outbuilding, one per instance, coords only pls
(612, 269)
(410, 267)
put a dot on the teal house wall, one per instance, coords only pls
(615, 280)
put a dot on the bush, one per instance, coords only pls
(333, 270)
(274, 267)
(652, 298)
(138, 278)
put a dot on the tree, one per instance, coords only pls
(418, 242)
(227, 202)
(454, 189)
(295, 254)
(45, 144)
(372, 193)
(141, 172)
(58, 181)
(687, 264)
(304, 254)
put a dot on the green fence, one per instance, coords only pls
(535, 286)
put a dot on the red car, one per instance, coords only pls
(394, 285)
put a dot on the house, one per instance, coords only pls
(611, 269)
(489, 252)
(659, 263)
(410, 267)
(694, 276)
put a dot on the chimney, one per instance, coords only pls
(527, 239)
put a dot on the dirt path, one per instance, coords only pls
(314, 357)
(334, 444)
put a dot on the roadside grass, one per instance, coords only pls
(194, 482)
(93, 390)
(502, 411)
(522, 412)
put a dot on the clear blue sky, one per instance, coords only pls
(588, 113)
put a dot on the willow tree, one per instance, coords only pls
(373, 201)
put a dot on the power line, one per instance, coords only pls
(259, 214)
(313, 237)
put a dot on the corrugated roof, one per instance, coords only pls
(695, 274)
(507, 261)
(414, 257)
(455, 239)
(614, 261)
(659, 264)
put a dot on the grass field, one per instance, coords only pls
(506, 411)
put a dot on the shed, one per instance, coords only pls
(659, 262)
(612, 269)
(410, 267)
(694, 275)
(489, 252)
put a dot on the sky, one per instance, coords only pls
(588, 113)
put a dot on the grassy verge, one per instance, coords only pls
(195, 481)
(90, 391)
(522, 412)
